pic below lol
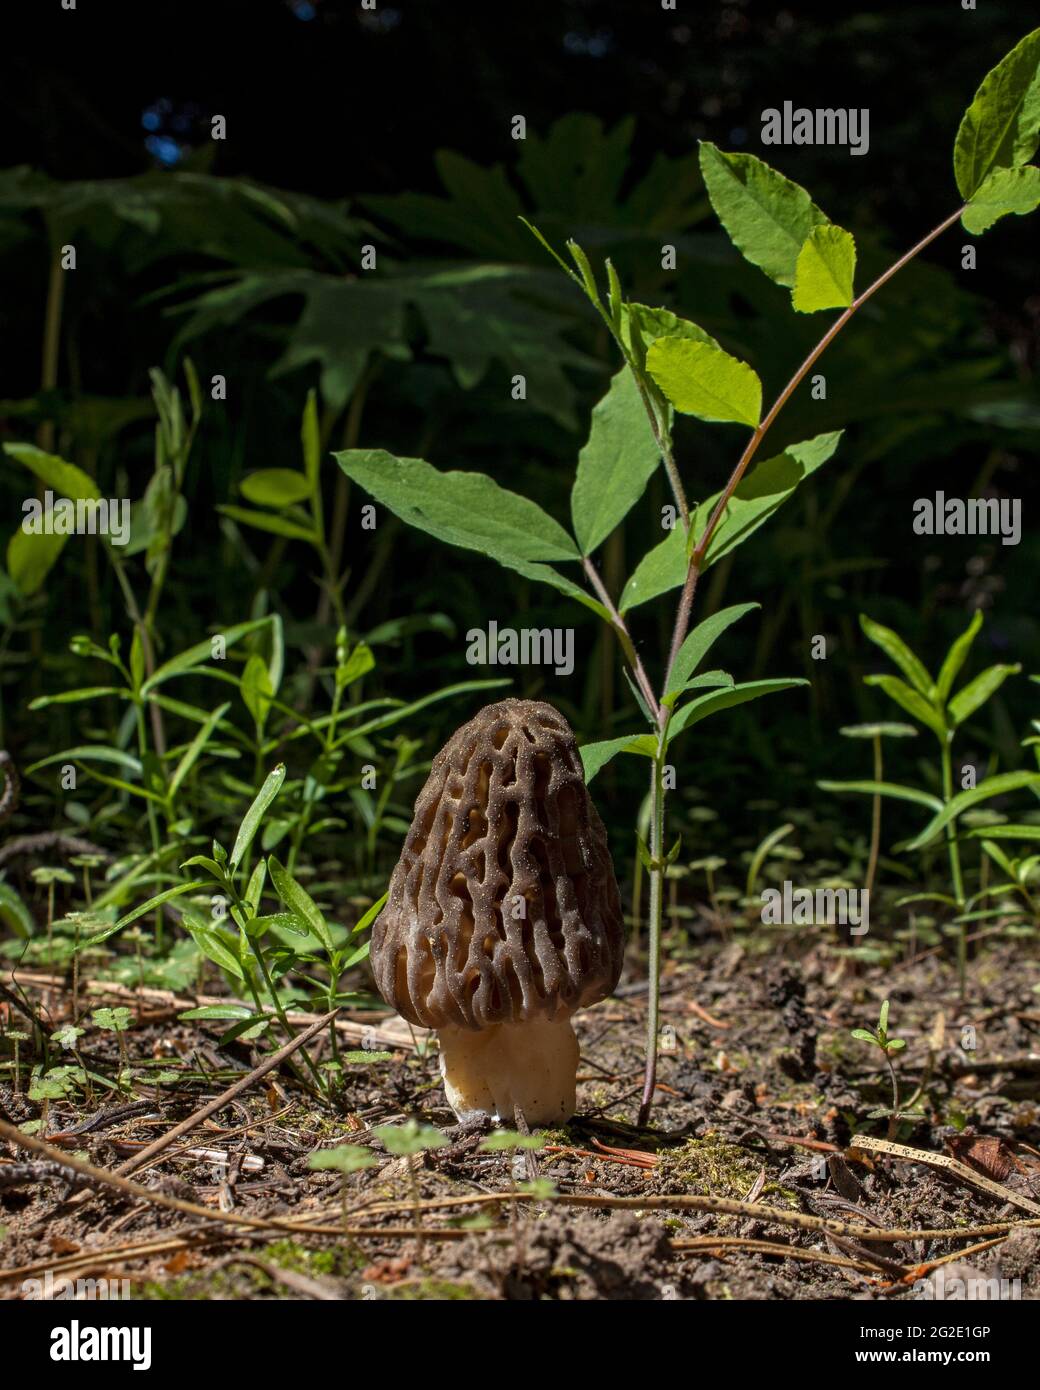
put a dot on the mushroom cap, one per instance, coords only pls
(503, 906)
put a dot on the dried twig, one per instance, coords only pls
(951, 1165)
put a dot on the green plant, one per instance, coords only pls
(346, 1159)
(879, 1037)
(933, 703)
(672, 365)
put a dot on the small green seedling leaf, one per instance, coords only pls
(348, 1158)
(409, 1138)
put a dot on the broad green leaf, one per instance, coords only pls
(595, 756)
(977, 692)
(824, 271)
(767, 216)
(1001, 127)
(545, 574)
(992, 786)
(704, 380)
(194, 749)
(914, 703)
(217, 948)
(267, 521)
(465, 509)
(707, 680)
(956, 657)
(614, 465)
(298, 900)
(893, 789)
(31, 557)
(688, 715)
(1002, 192)
(643, 325)
(218, 1011)
(766, 488)
(276, 487)
(899, 654)
(64, 479)
(661, 568)
(699, 642)
(757, 497)
(252, 818)
(358, 664)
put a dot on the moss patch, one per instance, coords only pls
(713, 1167)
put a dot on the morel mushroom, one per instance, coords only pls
(503, 916)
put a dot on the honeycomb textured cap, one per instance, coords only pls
(504, 905)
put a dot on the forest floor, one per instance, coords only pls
(760, 1092)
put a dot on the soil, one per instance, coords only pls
(760, 1090)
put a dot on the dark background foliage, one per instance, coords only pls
(349, 110)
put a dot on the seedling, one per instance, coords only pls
(408, 1141)
(878, 1037)
(347, 1159)
(116, 1021)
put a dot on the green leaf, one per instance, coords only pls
(704, 380)
(64, 479)
(91, 752)
(699, 642)
(219, 1012)
(194, 750)
(348, 1158)
(862, 1035)
(31, 557)
(1002, 192)
(899, 654)
(768, 217)
(132, 916)
(14, 913)
(977, 692)
(595, 756)
(614, 465)
(908, 698)
(688, 715)
(409, 1138)
(276, 487)
(370, 914)
(298, 900)
(217, 948)
(1003, 832)
(202, 652)
(956, 657)
(992, 786)
(755, 500)
(464, 509)
(71, 697)
(824, 270)
(256, 689)
(252, 818)
(267, 521)
(894, 789)
(766, 488)
(310, 439)
(1001, 127)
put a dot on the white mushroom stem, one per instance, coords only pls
(530, 1065)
